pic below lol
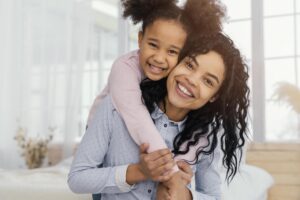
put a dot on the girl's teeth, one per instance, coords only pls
(184, 90)
(156, 69)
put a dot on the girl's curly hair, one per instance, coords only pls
(199, 17)
(226, 116)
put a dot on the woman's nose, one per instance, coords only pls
(192, 79)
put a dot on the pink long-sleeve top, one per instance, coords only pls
(124, 87)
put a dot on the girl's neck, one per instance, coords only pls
(174, 113)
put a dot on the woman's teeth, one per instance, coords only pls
(184, 90)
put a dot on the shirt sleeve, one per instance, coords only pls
(121, 179)
(207, 178)
(84, 175)
(124, 87)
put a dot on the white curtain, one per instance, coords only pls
(43, 51)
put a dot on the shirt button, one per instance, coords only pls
(165, 125)
(149, 191)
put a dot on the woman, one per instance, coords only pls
(204, 94)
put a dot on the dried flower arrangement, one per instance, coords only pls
(34, 149)
(288, 93)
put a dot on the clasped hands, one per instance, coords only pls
(158, 166)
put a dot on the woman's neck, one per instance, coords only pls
(174, 113)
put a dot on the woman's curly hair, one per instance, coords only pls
(226, 116)
(200, 17)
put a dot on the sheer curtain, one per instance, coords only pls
(43, 50)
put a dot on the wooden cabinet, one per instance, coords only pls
(282, 161)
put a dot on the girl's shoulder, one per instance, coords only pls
(128, 63)
(131, 59)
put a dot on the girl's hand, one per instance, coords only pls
(156, 165)
(186, 172)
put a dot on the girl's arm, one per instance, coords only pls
(124, 87)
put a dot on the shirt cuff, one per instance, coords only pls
(193, 192)
(120, 179)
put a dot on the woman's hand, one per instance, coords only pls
(156, 165)
(162, 192)
(185, 171)
(177, 189)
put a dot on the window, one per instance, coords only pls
(103, 51)
(281, 59)
(267, 33)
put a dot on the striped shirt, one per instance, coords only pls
(108, 143)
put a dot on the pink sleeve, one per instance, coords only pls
(124, 87)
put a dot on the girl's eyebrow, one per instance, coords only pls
(209, 74)
(153, 39)
(172, 46)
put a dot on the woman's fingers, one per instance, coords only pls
(155, 165)
(187, 172)
(185, 167)
(144, 147)
(162, 153)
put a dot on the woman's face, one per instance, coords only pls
(194, 82)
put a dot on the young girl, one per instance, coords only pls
(165, 28)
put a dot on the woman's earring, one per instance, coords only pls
(212, 99)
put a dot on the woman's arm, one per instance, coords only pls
(85, 176)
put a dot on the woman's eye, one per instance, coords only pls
(209, 82)
(189, 65)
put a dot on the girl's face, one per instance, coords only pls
(194, 82)
(160, 46)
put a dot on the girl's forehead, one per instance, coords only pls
(167, 31)
(165, 22)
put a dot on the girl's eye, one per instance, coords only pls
(152, 44)
(173, 52)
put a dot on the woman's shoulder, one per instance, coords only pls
(105, 106)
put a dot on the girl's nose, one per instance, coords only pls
(159, 57)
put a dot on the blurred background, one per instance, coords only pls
(55, 56)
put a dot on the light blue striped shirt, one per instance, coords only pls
(108, 143)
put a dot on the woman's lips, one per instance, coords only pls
(183, 91)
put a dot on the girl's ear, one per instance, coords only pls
(140, 38)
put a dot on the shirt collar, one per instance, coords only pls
(158, 113)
